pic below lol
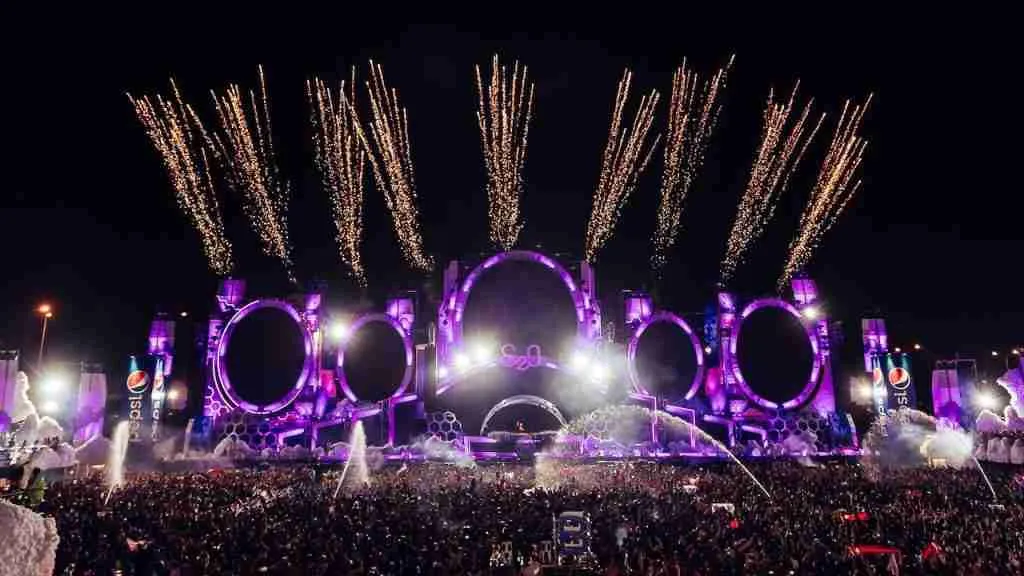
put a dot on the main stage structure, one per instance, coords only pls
(439, 367)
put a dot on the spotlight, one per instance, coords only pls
(578, 360)
(897, 350)
(482, 352)
(994, 353)
(811, 312)
(172, 395)
(339, 331)
(862, 389)
(54, 385)
(1016, 351)
(598, 371)
(184, 314)
(461, 362)
(49, 407)
(442, 372)
(707, 349)
(917, 346)
(986, 400)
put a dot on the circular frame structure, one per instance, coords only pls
(634, 344)
(450, 320)
(406, 344)
(220, 372)
(812, 380)
(528, 399)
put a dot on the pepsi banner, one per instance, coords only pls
(137, 384)
(892, 382)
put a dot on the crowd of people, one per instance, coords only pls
(646, 518)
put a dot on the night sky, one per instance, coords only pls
(933, 243)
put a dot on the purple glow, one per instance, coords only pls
(634, 343)
(406, 343)
(451, 314)
(220, 373)
(680, 411)
(812, 380)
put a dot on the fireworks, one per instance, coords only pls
(391, 160)
(504, 118)
(168, 126)
(832, 191)
(340, 160)
(782, 146)
(623, 161)
(244, 147)
(692, 116)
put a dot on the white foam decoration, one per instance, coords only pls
(93, 451)
(1017, 451)
(988, 422)
(29, 542)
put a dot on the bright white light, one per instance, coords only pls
(172, 395)
(339, 331)
(811, 312)
(55, 385)
(158, 394)
(864, 391)
(985, 400)
(578, 360)
(461, 361)
(707, 349)
(994, 353)
(598, 371)
(482, 352)
(442, 372)
(898, 349)
(49, 407)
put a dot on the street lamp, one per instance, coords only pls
(46, 311)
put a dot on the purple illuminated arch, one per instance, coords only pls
(406, 343)
(456, 303)
(529, 400)
(812, 380)
(220, 372)
(634, 343)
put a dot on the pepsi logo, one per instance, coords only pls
(899, 378)
(137, 382)
(877, 377)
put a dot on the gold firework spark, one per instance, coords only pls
(166, 122)
(692, 116)
(782, 146)
(390, 157)
(506, 107)
(244, 146)
(833, 189)
(623, 160)
(340, 160)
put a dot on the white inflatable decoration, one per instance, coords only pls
(29, 545)
(93, 451)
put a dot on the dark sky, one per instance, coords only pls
(933, 243)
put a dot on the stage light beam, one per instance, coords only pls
(462, 362)
(812, 312)
(482, 352)
(50, 407)
(339, 331)
(578, 360)
(55, 385)
(986, 400)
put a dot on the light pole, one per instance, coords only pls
(46, 311)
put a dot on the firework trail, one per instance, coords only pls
(387, 148)
(506, 107)
(782, 146)
(167, 125)
(623, 160)
(244, 146)
(832, 191)
(340, 160)
(692, 116)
